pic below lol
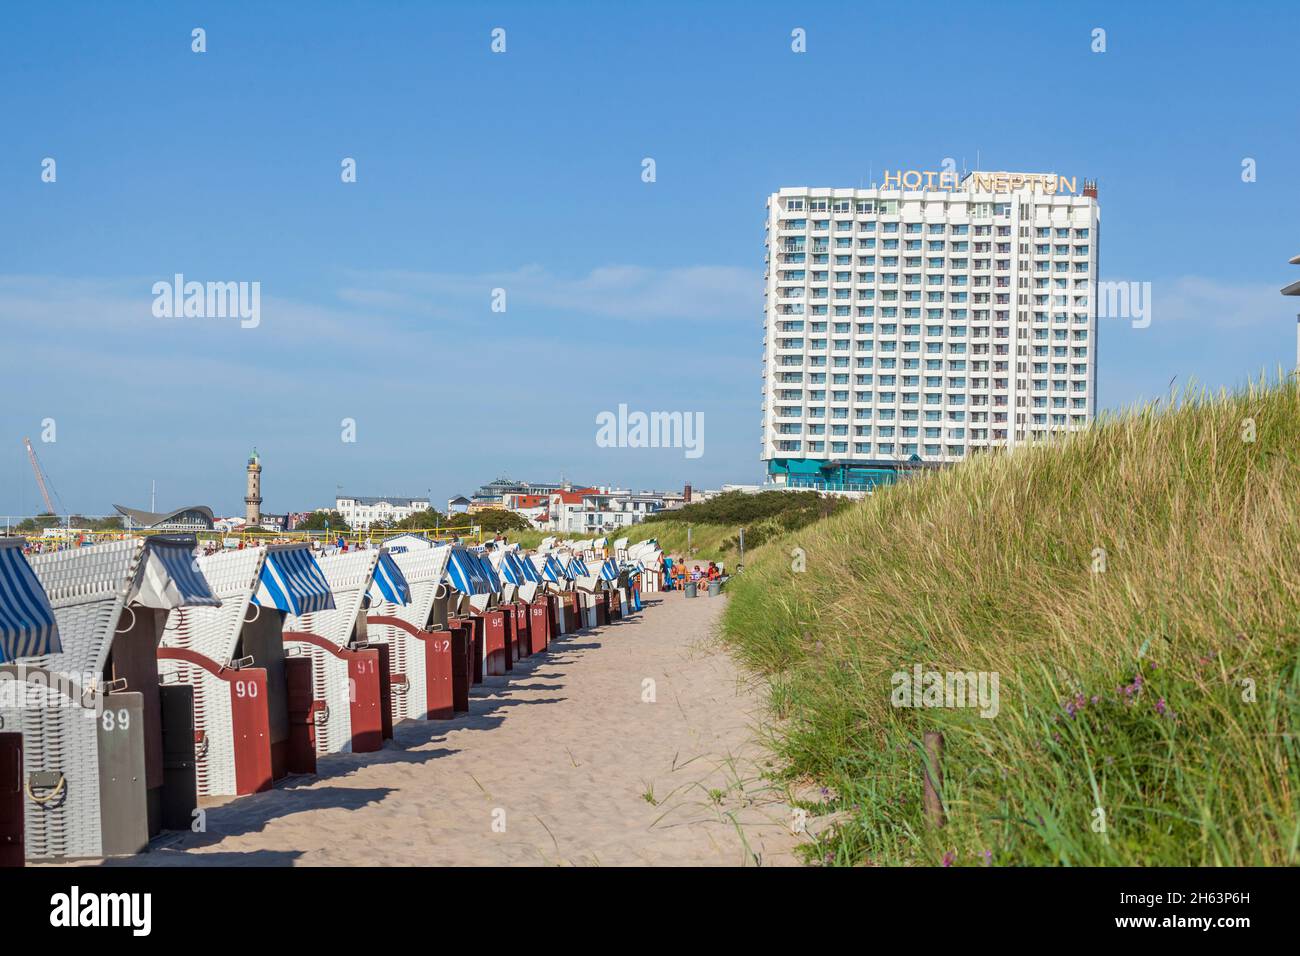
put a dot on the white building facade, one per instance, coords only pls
(362, 512)
(914, 324)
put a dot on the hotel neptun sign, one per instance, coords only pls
(929, 179)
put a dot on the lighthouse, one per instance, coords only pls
(253, 496)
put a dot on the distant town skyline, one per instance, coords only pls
(359, 341)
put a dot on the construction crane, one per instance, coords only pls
(40, 478)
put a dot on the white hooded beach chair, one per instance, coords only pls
(424, 663)
(108, 756)
(651, 561)
(471, 575)
(198, 648)
(558, 587)
(348, 675)
(590, 590)
(233, 657)
(522, 586)
(27, 628)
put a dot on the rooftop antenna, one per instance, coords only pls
(977, 159)
(153, 495)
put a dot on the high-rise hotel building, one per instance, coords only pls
(925, 320)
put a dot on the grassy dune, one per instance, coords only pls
(1137, 592)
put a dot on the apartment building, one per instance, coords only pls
(912, 324)
(362, 512)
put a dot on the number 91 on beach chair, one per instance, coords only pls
(428, 665)
(350, 673)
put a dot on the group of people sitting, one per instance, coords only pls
(697, 574)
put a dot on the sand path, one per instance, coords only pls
(564, 752)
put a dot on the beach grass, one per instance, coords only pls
(1136, 590)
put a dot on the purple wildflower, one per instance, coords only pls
(949, 858)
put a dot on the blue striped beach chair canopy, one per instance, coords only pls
(510, 569)
(489, 572)
(578, 568)
(517, 569)
(531, 574)
(293, 582)
(169, 575)
(465, 572)
(609, 570)
(389, 584)
(27, 626)
(549, 568)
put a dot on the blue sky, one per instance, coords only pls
(522, 171)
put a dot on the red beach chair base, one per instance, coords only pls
(541, 624)
(496, 643)
(442, 675)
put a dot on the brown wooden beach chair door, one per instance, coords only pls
(12, 852)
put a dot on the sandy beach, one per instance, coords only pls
(561, 763)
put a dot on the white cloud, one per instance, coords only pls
(1222, 305)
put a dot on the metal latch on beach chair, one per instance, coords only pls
(399, 684)
(200, 744)
(52, 782)
(238, 663)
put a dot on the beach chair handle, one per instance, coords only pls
(201, 744)
(50, 797)
(132, 625)
(401, 684)
(323, 714)
(255, 616)
(236, 663)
